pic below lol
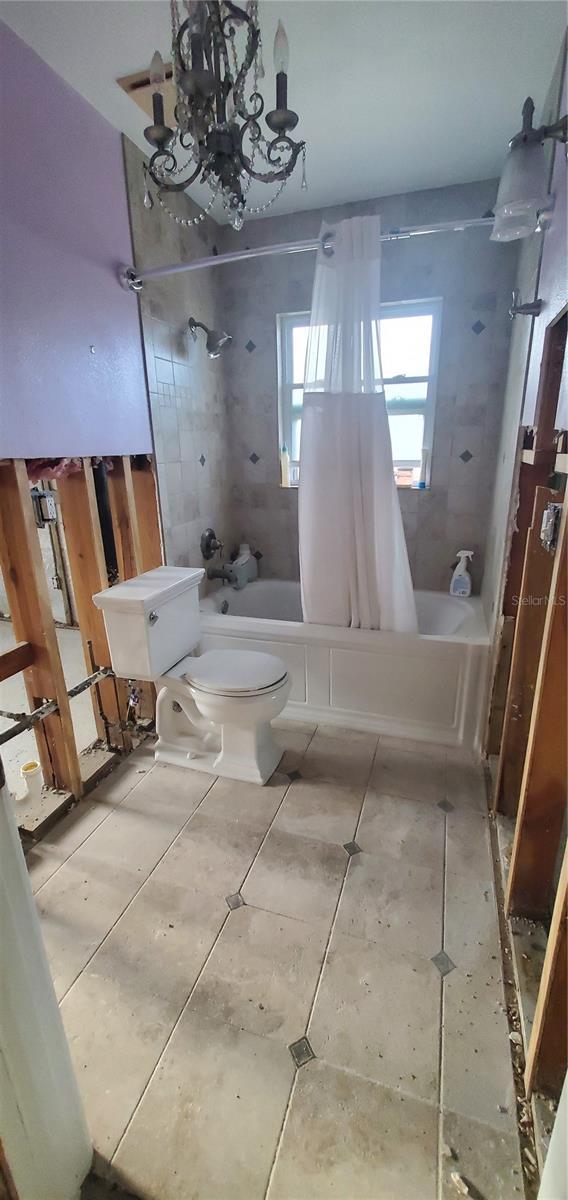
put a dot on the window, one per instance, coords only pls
(409, 337)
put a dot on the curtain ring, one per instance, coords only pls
(326, 246)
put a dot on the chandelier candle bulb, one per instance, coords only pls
(281, 62)
(281, 50)
(157, 80)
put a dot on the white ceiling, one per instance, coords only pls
(393, 95)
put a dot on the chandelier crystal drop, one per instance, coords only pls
(219, 139)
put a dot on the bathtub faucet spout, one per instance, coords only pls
(224, 573)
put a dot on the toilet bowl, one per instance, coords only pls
(214, 709)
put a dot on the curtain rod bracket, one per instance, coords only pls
(129, 279)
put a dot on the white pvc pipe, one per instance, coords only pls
(311, 245)
(44, 1133)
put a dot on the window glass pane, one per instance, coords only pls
(299, 347)
(405, 395)
(297, 398)
(407, 434)
(405, 345)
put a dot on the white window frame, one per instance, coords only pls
(286, 322)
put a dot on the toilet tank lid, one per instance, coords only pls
(149, 590)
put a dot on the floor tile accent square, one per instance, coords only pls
(352, 848)
(377, 1012)
(262, 973)
(301, 1052)
(343, 1137)
(443, 962)
(296, 876)
(445, 806)
(235, 901)
(214, 1108)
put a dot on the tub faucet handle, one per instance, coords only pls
(209, 544)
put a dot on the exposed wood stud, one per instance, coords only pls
(89, 574)
(145, 494)
(547, 1052)
(529, 626)
(124, 518)
(134, 508)
(32, 622)
(542, 804)
(16, 659)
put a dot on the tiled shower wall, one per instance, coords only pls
(474, 277)
(216, 422)
(187, 389)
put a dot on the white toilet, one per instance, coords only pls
(214, 709)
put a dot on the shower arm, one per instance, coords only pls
(133, 279)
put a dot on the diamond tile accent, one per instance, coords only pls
(301, 1051)
(478, 327)
(254, 458)
(443, 962)
(466, 456)
(250, 346)
(292, 775)
(202, 459)
(235, 901)
(445, 806)
(352, 848)
(257, 554)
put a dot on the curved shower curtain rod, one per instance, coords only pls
(133, 279)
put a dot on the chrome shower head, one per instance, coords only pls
(215, 339)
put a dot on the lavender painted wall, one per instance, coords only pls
(64, 227)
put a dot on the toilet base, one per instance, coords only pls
(250, 756)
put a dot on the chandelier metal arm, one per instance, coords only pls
(165, 184)
(283, 172)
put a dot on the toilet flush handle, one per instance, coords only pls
(152, 617)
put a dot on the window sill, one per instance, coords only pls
(401, 487)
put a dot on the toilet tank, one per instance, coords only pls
(152, 621)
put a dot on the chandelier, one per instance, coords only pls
(218, 138)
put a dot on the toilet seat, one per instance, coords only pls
(234, 673)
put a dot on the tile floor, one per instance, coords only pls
(198, 928)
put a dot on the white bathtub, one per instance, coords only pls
(430, 686)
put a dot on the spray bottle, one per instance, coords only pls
(461, 578)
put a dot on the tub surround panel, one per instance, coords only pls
(429, 688)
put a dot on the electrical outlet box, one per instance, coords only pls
(45, 507)
(550, 526)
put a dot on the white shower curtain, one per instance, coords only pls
(353, 560)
